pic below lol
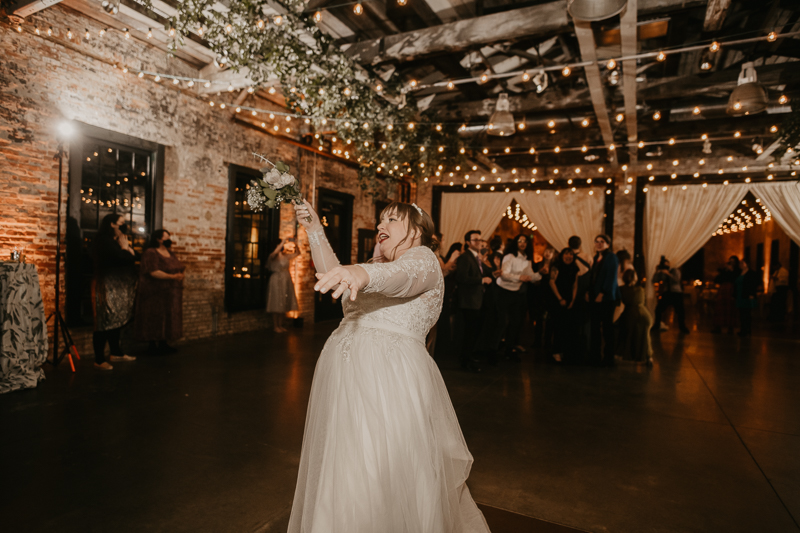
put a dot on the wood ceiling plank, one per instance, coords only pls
(629, 37)
(715, 14)
(585, 35)
(542, 19)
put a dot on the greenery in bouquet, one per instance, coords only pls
(276, 186)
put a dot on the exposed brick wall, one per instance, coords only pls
(43, 82)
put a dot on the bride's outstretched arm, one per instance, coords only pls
(321, 252)
(416, 272)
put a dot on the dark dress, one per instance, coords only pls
(725, 312)
(159, 302)
(746, 288)
(114, 285)
(563, 320)
(635, 323)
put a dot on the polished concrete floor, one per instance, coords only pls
(209, 440)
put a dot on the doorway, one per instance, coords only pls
(108, 173)
(336, 214)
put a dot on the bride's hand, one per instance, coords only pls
(304, 212)
(353, 277)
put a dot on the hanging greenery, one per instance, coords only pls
(375, 118)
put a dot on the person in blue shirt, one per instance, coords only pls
(603, 296)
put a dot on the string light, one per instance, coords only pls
(657, 115)
(566, 71)
(358, 9)
(661, 57)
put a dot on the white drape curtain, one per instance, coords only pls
(677, 223)
(560, 216)
(783, 202)
(462, 212)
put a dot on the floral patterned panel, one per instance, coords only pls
(23, 332)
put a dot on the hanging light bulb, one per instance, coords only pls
(450, 85)
(277, 20)
(696, 110)
(318, 17)
(593, 10)
(566, 71)
(657, 115)
(611, 65)
(402, 2)
(783, 99)
(502, 121)
(540, 79)
(358, 9)
(749, 97)
(714, 47)
(661, 57)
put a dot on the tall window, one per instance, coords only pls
(251, 238)
(109, 173)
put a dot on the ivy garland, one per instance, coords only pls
(318, 80)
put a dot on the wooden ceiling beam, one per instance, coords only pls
(629, 37)
(542, 19)
(583, 30)
(715, 14)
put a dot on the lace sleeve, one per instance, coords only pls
(321, 252)
(416, 272)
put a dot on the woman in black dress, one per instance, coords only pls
(564, 288)
(113, 289)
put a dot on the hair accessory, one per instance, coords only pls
(418, 208)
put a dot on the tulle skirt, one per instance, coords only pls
(382, 451)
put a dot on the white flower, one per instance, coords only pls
(276, 180)
(273, 178)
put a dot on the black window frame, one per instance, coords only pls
(271, 218)
(75, 257)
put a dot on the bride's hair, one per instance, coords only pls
(418, 220)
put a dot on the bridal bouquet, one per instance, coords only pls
(276, 186)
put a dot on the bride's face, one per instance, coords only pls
(391, 232)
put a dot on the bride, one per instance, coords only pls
(382, 450)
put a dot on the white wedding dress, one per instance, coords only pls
(382, 450)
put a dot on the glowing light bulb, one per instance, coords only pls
(661, 56)
(318, 16)
(657, 115)
(566, 71)
(358, 9)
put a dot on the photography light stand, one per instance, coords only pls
(69, 345)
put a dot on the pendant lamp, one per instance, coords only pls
(502, 121)
(749, 97)
(595, 9)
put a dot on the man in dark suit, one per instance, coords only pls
(471, 276)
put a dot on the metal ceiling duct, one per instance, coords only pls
(592, 10)
(749, 97)
(502, 122)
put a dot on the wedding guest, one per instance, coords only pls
(471, 277)
(546, 306)
(625, 264)
(580, 308)
(540, 298)
(516, 269)
(777, 304)
(671, 291)
(746, 289)
(281, 297)
(113, 289)
(604, 296)
(635, 322)
(564, 288)
(486, 348)
(725, 311)
(159, 299)
(444, 335)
